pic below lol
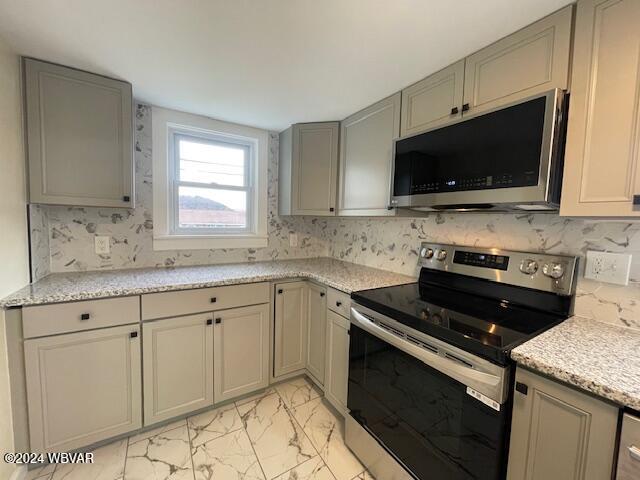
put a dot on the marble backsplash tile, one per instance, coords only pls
(62, 238)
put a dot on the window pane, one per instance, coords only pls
(204, 208)
(211, 162)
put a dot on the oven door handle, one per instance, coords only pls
(464, 374)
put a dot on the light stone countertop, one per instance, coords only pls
(594, 356)
(66, 287)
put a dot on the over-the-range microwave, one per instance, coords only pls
(508, 159)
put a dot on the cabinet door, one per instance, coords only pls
(241, 351)
(314, 168)
(290, 328)
(365, 162)
(79, 137)
(601, 173)
(434, 101)
(558, 432)
(337, 362)
(316, 340)
(83, 387)
(528, 62)
(178, 366)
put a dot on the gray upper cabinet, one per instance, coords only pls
(366, 141)
(559, 432)
(79, 137)
(530, 61)
(308, 169)
(433, 101)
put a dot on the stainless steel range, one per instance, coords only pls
(430, 378)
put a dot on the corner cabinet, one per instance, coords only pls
(531, 61)
(601, 175)
(316, 339)
(559, 432)
(79, 130)
(290, 329)
(433, 101)
(366, 144)
(83, 387)
(308, 169)
(177, 352)
(241, 351)
(337, 361)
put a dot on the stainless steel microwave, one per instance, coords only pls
(508, 159)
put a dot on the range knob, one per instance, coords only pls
(553, 269)
(441, 255)
(426, 252)
(528, 266)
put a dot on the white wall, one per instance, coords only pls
(14, 260)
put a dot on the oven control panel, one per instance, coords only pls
(553, 273)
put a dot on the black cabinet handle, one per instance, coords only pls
(85, 316)
(331, 209)
(209, 321)
(454, 110)
(214, 299)
(322, 294)
(126, 198)
(279, 291)
(465, 107)
(338, 304)
(133, 334)
(522, 388)
(218, 320)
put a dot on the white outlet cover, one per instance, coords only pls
(293, 239)
(102, 244)
(608, 267)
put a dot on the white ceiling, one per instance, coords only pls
(266, 63)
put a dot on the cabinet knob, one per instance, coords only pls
(454, 110)
(85, 316)
(331, 209)
(218, 320)
(209, 321)
(338, 303)
(126, 198)
(522, 388)
(133, 334)
(279, 291)
(322, 294)
(214, 299)
(465, 107)
(636, 200)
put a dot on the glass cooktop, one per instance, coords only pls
(487, 327)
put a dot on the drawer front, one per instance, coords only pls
(629, 456)
(44, 320)
(339, 302)
(171, 304)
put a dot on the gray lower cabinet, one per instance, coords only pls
(366, 144)
(290, 329)
(83, 387)
(79, 130)
(241, 351)
(558, 432)
(178, 366)
(316, 339)
(308, 169)
(337, 361)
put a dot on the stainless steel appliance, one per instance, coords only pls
(504, 160)
(430, 377)
(629, 453)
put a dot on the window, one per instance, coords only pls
(210, 190)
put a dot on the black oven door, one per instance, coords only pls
(424, 418)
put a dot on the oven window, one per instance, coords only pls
(424, 418)
(496, 150)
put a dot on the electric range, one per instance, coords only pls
(430, 378)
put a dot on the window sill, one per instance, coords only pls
(208, 242)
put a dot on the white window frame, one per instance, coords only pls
(167, 124)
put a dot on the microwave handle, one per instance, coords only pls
(462, 373)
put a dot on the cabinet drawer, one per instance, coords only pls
(170, 304)
(629, 456)
(41, 320)
(339, 302)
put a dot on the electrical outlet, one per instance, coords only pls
(293, 239)
(608, 267)
(102, 245)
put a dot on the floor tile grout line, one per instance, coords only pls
(193, 467)
(126, 456)
(255, 454)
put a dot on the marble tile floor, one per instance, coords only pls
(286, 432)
